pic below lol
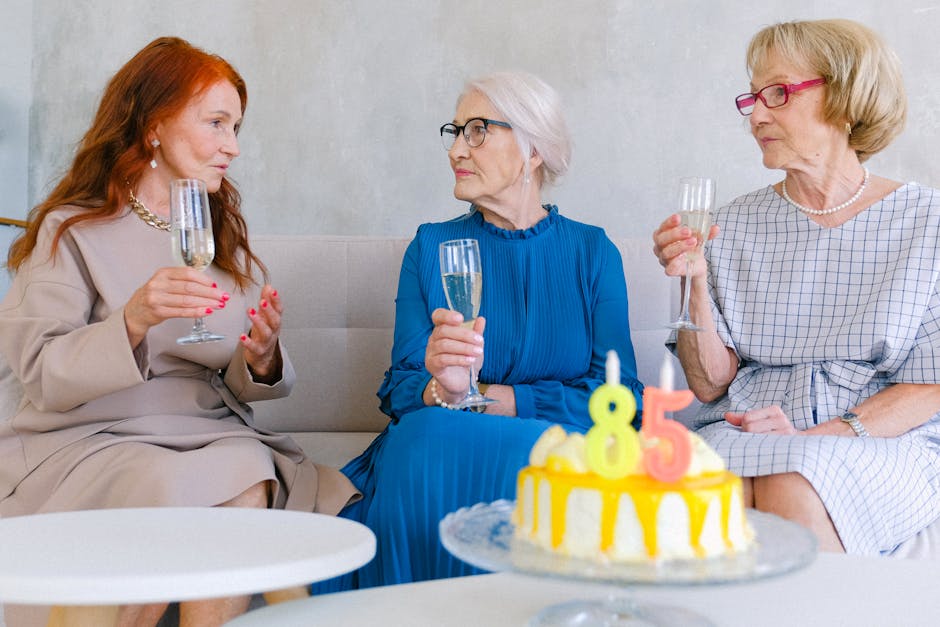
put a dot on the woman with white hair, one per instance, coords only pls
(554, 302)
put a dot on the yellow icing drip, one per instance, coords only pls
(647, 507)
(697, 505)
(609, 503)
(646, 493)
(727, 494)
(560, 492)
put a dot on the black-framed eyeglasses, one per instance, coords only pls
(773, 96)
(474, 131)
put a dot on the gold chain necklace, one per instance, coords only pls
(146, 215)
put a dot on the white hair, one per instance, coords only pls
(533, 109)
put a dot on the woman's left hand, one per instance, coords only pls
(260, 343)
(764, 420)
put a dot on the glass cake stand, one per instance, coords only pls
(482, 536)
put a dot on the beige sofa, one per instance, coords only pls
(339, 294)
(340, 313)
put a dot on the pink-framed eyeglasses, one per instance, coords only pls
(773, 96)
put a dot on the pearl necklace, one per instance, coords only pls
(824, 212)
(146, 215)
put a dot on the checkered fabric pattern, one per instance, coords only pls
(823, 318)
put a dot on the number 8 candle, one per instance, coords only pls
(612, 445)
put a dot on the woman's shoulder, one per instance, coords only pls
(62, 213)
(588, 242)
(444, 228)
(429, 235)
(585, 230)
(759, 198)
(913, 194)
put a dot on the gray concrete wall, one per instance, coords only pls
(346, 96)
(16, 51)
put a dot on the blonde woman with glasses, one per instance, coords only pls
(820, 361)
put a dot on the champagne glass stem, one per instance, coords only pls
(687, 290)
(474, 390)
(199, 327)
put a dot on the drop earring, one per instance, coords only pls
(153, 162)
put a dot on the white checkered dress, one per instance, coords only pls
(823, 318)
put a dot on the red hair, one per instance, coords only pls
(154, 86)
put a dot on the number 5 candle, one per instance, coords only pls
(671, 452)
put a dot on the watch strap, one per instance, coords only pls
(851, 419)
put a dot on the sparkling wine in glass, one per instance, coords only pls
(193, 244)
(462, 275)
(696, 201)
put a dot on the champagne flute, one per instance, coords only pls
(696, 201)
(192, 240)
(462, 276)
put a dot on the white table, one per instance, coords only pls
(833, 590)
(130, 556)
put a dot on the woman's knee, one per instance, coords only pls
(258, 495)
(785, 492)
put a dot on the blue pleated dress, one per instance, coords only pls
(555, 302)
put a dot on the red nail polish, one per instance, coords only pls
(252, 312)
(214, 284)
(243, 338)
(225, 296)
(208, 310)
(274, 293)
(264, 304)
(221, 304)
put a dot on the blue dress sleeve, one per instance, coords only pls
(401, 391)
(566, 402)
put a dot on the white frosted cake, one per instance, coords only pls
(562, 506)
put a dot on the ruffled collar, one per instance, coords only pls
(539, 227)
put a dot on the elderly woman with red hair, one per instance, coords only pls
(117, 414)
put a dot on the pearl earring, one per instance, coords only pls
(153, 162)
(155, 143)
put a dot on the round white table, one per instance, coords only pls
(833, 590)
(131, 556)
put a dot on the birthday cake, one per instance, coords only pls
(571, 501)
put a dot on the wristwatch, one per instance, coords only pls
(852, 420)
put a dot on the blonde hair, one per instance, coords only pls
(864, 86)
(533, 109)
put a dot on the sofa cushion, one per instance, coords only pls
(339, 318)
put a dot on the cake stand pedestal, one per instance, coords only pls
(482, 535)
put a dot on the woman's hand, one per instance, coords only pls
(260, 343)
(764, 420)
(173, 292)
(671, 242)
(452, 349)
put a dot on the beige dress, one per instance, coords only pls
(104, 426)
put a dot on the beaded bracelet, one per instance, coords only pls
(437, 399)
